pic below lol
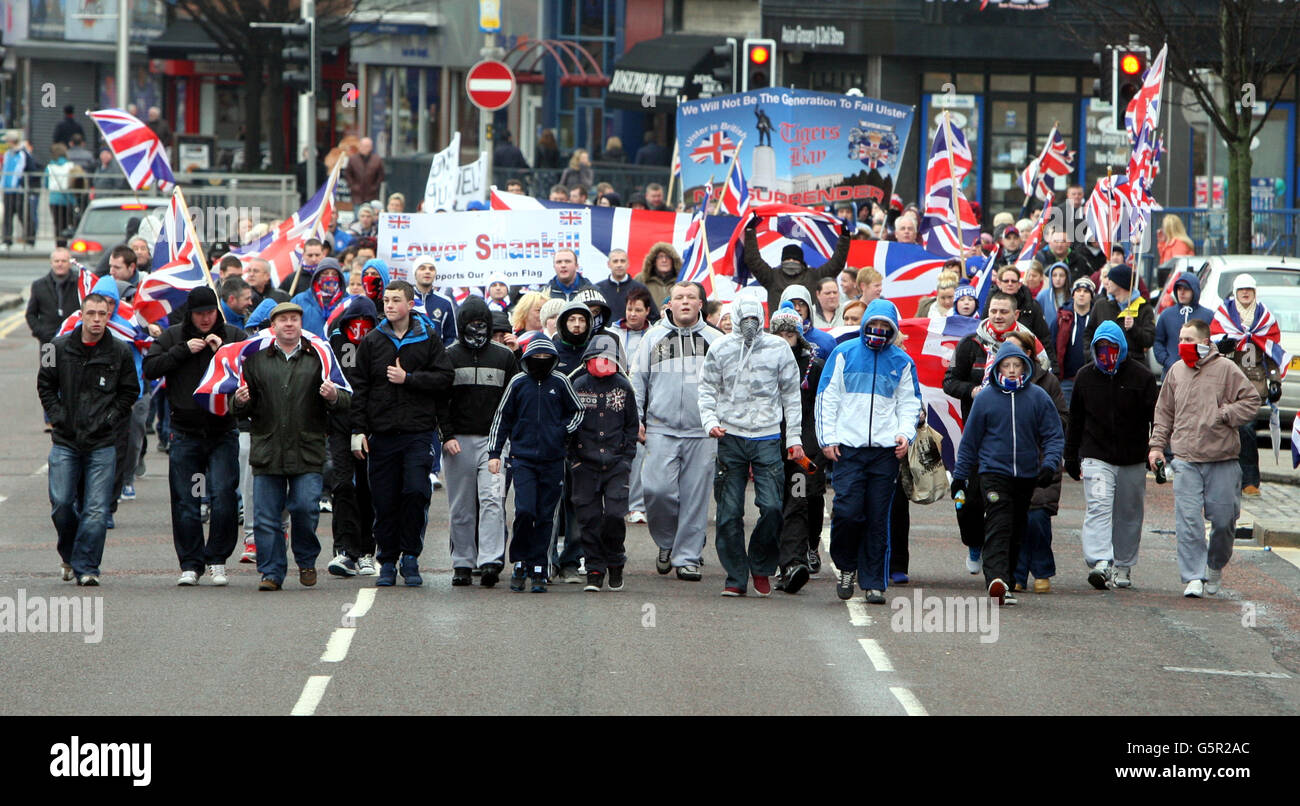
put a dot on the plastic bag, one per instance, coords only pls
(925, 480)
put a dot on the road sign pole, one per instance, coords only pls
(484, 126)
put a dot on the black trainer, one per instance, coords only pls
(518, 578)
(491, 573)
(539, 580)
(795, 577)
(844, 588)
(663, 563)
(814, 561)
(460, 577)
(594, 581)
(615, 574)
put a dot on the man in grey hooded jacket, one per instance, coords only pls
(749, 383)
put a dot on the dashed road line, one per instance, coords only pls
(336, 649)
(858, 613)
(42, 470)
(311, 695)
(10, 323)
(908, 700)
(1229, 673)
(365, 599)
(876, 654)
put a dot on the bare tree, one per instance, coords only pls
(1222, 50)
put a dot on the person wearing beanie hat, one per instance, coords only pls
(1124, 305)
(966, 301)
(202, 442)
(1069, 327)
(433, 305)
(497, 292)
(792, 270)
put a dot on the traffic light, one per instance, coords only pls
(760, 62)
(299, 66)
(724, 56)
(1128, 63)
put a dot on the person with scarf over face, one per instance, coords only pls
(348, 481)
(749, 385)
(600, 457)
(1243, 330)
(475, 497)
(327, 289)
(798, 297)
(866, 412)
(537, 413)
(1204, 400)
(964, 380)
(1013, 440)
(805, 481)
(573, 332)
(1106, 446)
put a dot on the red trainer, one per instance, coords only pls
(998, 590)
(732, 592)
(762, 586)
(250, 552)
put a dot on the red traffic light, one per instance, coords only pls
(759, 54)
(1130, 65)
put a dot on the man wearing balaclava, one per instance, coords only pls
(749, 386)
(792, 269)
(475, 496)
(1111, 409)
(328, 287)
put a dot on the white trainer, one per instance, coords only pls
(1194, 590)
(1123, 578)
(1213, 576)
(218, 574)
(366, 566)
(188, 579)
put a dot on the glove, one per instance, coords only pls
(1274, 391)
(958, 485)
(752, 223)
(1227, 345)
(1045, 477)
(1074, 468)
(356, 441)
(848, 227)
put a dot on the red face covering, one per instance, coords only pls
(374, 287)
(358, 328)
(601, 367)
(1189, 354)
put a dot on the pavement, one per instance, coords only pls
(661, 646)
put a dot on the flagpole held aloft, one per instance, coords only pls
(321, 225)
(952, 174)
(726, 180)
(198, 247)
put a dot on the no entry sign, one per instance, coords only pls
(490, 85)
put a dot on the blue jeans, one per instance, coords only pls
(1036, 554)
(271, 495)
(1249, 456)
(81, 534)
(200, 468)
(865, 480)
(736, 455)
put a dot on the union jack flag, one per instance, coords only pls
(677, 162)
(931, 344)
(1108, 210)
(983, 280)
(226, 371)
(571, 217)
(181, 269)
(86, 280)
(1035, 240)
(141, 154)
(910, 272)
(950, 161)
(282, 247)
(1144, 110)
(121, 323)
(735, 194)
(1056, 160)
(718, 147)
(1265, 333)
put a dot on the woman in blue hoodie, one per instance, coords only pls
(1003, 440)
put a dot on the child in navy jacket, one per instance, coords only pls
(537, 413)
(600, 459)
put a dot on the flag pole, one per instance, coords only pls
(952, 174)
(731, 168)
(672, 175)
(318, 230)
(1024, 209)
(198, 247)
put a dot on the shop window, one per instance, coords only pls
(933, 82)
(1063, 84)
(969, 83)
(1004, 83)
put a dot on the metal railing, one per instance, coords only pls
(1273, 231)
(265, 197)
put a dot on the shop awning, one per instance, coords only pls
(186, 39)
(666, 67)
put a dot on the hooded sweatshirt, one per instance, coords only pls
(1110, 415)
(482, 375)
(748, 389)
(607, 434)
(868, 397)
(1008, 431)
(1173, 318)
(1200, 409)
(570, 348)
(536, 415)
(823, 341)
(353, 308)
(314, 314)
(260, 315)
(668, 363)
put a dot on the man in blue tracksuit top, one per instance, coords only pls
(1002, 440)
(1187, 306)
(537, 414)
(866, 412)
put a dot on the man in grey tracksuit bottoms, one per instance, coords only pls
(749, 383)
(679, 454)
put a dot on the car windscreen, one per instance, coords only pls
(1265, 277)
(111, 221)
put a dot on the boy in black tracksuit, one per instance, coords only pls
(537, 413)
(348, 482)
(600, 459)
(805, 486)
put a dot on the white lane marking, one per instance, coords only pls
(909, 701)
(337, 647)
(1274, 675)
(365, 598)
(3, 498)
(311, 695)
(42, 470)
(876, 654)
(858, 613)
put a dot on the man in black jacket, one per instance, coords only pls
(1123, 304)
(1031, 313)
(1111, 411)
(402, 370)
(1060, 249)
(53, 297)
(87, 391)
(204, 454)
(792, 270)
(475, 497)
